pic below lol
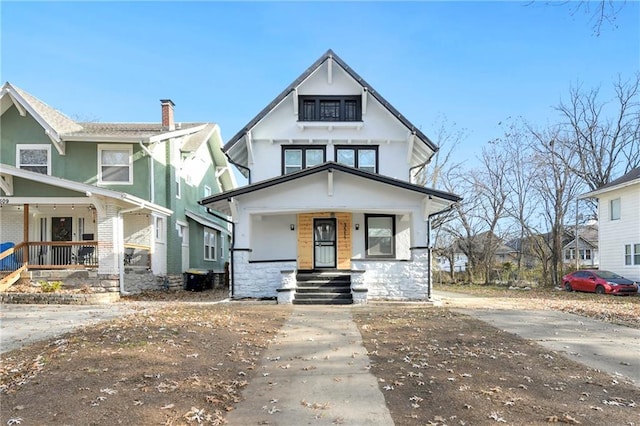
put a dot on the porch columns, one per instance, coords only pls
(25, 235)
(108, 239)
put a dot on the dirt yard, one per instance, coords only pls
(182, 360)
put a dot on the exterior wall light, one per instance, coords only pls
(357, 226)
(292, 227)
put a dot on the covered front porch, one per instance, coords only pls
(331, 218)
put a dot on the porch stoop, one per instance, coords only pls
(323, 288)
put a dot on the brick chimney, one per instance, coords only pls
(167, 114)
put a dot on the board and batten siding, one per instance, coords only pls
(615, 234)
(343, 239)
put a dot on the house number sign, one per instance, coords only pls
(4, 201)
(344, 229)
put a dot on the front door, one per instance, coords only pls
(324, 242)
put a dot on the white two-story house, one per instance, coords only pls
(331, 213)
(619, 224)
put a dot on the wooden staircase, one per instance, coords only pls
(323, 288)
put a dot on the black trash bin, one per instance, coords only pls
(196, 280)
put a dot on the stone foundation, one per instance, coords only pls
(257, 280)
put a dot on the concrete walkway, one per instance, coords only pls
(23, 324)
(315, 372)
(607, 347)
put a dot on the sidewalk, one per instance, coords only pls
(611, 348)
(315, 372)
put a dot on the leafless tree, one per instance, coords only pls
(557, 187)
(447, 137)
(491, 188)
(521, 198)
(603, 136)
(601, 12)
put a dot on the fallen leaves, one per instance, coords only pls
(474, 374)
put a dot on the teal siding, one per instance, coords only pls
(15, 129)
(80, 164)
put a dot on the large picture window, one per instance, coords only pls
(295, 158)
(380, 231)
(329, 108)
(35, 158)
(115, 164)
(360, 157)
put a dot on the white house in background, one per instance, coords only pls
(619, 224)
(587, 242)
(331, 213)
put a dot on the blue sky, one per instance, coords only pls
(475, 63)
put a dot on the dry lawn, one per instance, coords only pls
(182, 360)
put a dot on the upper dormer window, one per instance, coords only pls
(330, 108)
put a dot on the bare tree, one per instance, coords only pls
(491, 186)
(447, 137)
(557, 187)
(521, 199)
(602, 12)
(604, 136)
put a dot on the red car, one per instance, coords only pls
(600, 282)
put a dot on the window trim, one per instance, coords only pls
(611, 209)
(631, 255)
(115, 147)
(212, 247)
(160, 229)
(357, 148)
(317, 99)
(33, 146)
(367, 216)
(303, 148)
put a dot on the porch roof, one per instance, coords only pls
(220, 201)
(206, 222)
(88, 190)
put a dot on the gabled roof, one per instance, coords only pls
(329, 54)
(61, 128)
(630, 178)
(329, 166)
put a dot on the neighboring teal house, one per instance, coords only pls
(115, 203)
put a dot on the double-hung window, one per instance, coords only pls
(115, 164)
(632, 254)
(209, 244)
(614, 206)
(360, 157)
(33, 157)
(329, 108)
(295, 158)
(380, 231)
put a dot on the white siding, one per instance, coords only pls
(614, 234)
(281, 127)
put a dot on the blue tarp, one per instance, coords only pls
(8, 263)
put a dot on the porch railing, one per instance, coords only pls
(62, 254)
